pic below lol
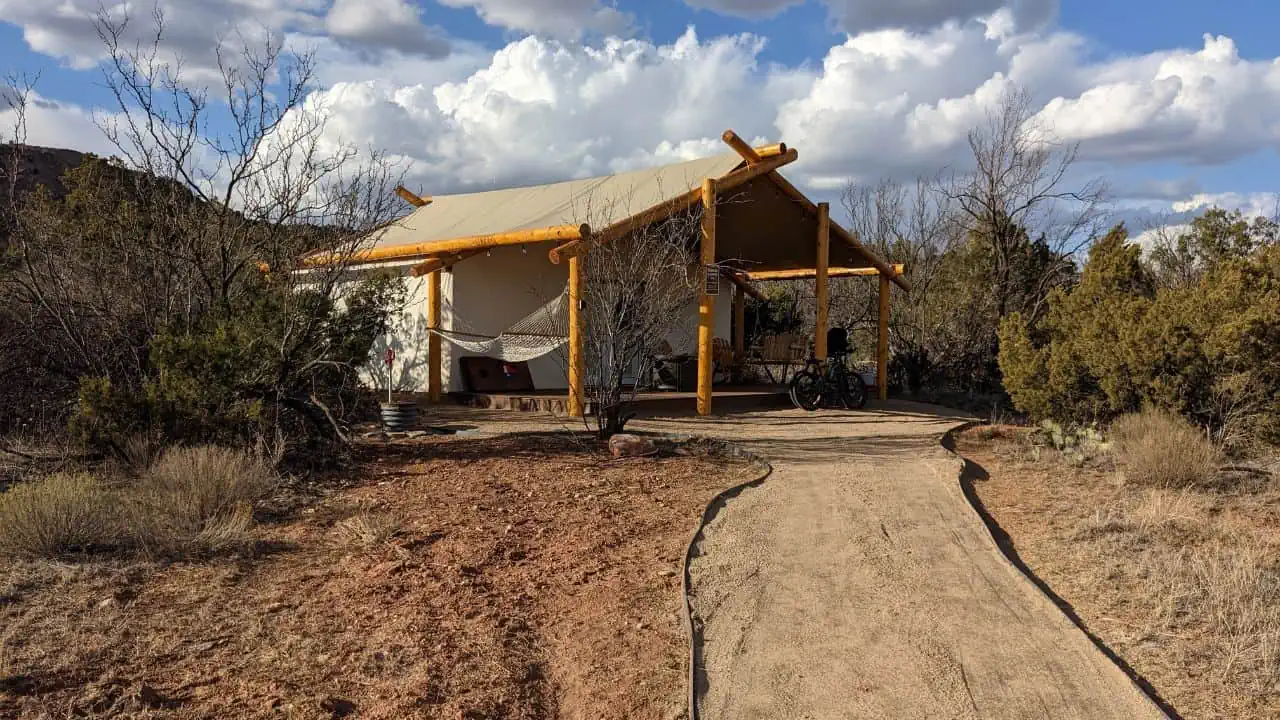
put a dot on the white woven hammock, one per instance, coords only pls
(539, 333)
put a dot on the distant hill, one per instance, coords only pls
(43, 166)
(37, 166)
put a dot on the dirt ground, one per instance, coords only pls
(1179, 584)
(516, 577)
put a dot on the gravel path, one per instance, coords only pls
(858, 582)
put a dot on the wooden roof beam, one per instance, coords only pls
(809, 273)
(744, 283)
(845, 236)
(437, 248)
(441, 263)
(412, 198)
(670, 207)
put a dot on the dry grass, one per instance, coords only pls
(1179, 577)
(529, 577)
(189, 501)
(1157, 448)
(56, 515)
(197, 500)
(368, 528)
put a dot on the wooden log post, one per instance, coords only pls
(882, 343)
(435, 354)
(706, 302)
(577, 359)
(739, 323)
(821, 285)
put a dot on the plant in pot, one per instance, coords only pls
(397, 416)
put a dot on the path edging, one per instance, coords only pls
(709, 512)
(947, 442)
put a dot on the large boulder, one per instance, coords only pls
(626, 445)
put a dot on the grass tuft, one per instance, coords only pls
(199, 500)
(57, 515)
(1160, 449)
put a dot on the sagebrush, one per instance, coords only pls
(57, 515)
(1158, 448)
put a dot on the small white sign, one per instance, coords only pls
(713, 280)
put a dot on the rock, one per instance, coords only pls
(337, 707)
(148, 697)
(626, 445)
(642, 625)
(667, 573)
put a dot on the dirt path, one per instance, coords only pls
(858, 582)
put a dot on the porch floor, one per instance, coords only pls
(725, 398)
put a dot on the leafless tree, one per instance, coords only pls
(638, 291)
(911, 224)
(1019, 191)
(213, 185)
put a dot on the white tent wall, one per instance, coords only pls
(493, 291)
(488, 293)
(408, 336)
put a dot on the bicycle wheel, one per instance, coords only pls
(806, 390)
(855, 393)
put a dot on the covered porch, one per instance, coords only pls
(755, 226)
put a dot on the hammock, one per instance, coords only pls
(542, 331)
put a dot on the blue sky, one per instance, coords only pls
(478, 93)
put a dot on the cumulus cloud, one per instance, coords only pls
(54, 124)
(543, 110)
(552, 18)
(67, 29)
(890, 102)
(861, 15)
(384, 25)
(1265, 204)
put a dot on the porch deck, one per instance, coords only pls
(728, 398)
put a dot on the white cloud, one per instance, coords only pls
(66, 29)
(551, 18)
(54, 124)
(545, 110)
(862, 15)
(385, 25)
(1207, 106)
(1264, 204)
(889, 102)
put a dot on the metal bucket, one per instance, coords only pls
(399, 416)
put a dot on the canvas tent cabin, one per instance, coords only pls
(481, 263)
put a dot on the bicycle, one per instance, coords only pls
(828, 383)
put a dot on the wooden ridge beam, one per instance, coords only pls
(748, 153)
(845, 236)
(667, 208)
(412, 198)
(810, 273)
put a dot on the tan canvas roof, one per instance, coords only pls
(597, 201)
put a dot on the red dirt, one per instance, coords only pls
(520, 577)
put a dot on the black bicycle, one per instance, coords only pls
(829, 383)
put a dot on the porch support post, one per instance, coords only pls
(882, 344)
(739, 323)
(435, 355)
(820, 281)
(706, 303)
(577, 362)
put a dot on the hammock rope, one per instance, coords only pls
(537, 334)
